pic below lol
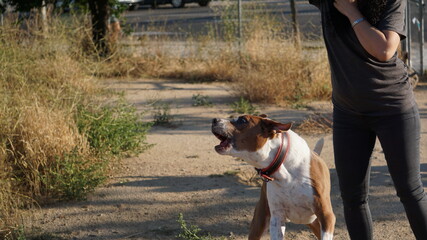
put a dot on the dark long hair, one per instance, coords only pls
(372, 9)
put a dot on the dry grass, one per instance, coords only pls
(42, 135)
(43, 79)
(283, 74)
(315, 124)
(269, 70)
(57, 135)
(267, 67)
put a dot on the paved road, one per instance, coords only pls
(194, 20)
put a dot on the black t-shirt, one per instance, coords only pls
(361, 84)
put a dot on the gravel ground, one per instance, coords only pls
(182, 173)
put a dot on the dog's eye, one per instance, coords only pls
(241, 120)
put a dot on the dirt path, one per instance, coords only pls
(183, 174)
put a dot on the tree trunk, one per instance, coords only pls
(295, 26)
(99, 10)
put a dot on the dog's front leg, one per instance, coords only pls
(277, 227)
(261, 217)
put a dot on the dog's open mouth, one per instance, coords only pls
(225, 142)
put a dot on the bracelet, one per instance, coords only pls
(357, 21)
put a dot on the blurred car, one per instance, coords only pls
(133, 4)
(65, 5)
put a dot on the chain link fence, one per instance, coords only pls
(413, 47)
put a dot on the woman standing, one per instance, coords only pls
(372, 98)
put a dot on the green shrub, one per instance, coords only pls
(73, 177)
(113, 129)
(162, 115)
(191, 232)
(243, 106)
(201, 100)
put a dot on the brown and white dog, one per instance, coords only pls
(297, 186)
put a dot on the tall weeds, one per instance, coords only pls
(48, 104)
(266, 66)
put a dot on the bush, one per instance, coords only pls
(243, 106)
(162, 115)
(73, 177)
(113, 129)
(192, 232)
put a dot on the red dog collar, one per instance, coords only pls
(278, 160)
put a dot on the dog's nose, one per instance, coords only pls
(215, 120)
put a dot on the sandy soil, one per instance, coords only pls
(182, 173)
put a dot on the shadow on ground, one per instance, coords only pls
(227, 197)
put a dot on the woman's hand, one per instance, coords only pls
(380, 44)
(348, 8)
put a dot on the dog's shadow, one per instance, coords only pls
(205, 197)
(231, 196)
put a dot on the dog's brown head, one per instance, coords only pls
(245, 133)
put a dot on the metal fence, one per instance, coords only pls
(414, 43)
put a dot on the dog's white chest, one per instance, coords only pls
(292, 201)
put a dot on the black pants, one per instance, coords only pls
(354, 138)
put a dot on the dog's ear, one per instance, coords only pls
(263, 115)
(272, 127)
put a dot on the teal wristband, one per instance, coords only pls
(357, 21)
